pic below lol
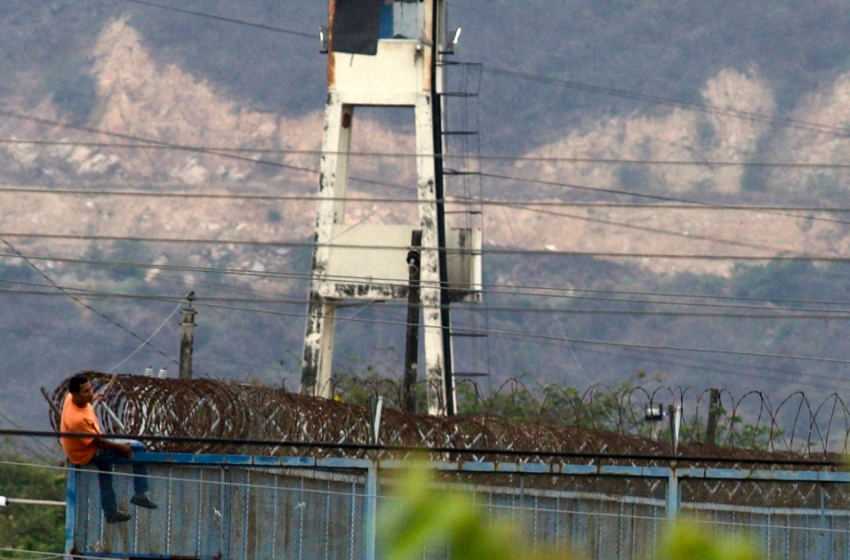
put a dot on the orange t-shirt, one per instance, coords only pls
(82, 420)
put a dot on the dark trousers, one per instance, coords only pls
(103, 460)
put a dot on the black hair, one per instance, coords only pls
(76, 382)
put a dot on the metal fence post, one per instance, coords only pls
(673, 498)
(371, 510)
(70, 510)
(822, 541)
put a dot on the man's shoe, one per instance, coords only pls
(118, 517)
(142, 501)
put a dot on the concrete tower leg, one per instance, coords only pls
(317, 359)
(429, 260)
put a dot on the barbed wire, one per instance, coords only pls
(601, 420)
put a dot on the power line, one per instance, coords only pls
(483, 251)
(314, 171)
(504, 177)
(262, 26)
(80, 302)
(516, 334)
(52, 452)
(67, 125)
(146, 341)
(159, 143)
(768, 313)
(399, 155)
(180, 10)
(648, 196)
(273, 274)
(37, 334)
(527, 206)
(519, 203)
(490, 289)
(654, 357)
(530, 206)
(657, 100)
(516, 290)
(689, 236)
(748, 115)
(698, 204)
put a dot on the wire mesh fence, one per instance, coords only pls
(792, 519)
(219, 511)
(601, 516)
(224, 506)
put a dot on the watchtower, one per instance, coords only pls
(386, 53)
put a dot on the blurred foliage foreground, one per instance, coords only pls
(422, 517)
(29, 527)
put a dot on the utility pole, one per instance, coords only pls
(187, 338)
(713, 413)
(411, 353)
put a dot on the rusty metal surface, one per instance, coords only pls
(204, 408)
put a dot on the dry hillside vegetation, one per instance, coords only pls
(140, 99)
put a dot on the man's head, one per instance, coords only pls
(81, 390)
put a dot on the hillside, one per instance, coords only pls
(187, 104)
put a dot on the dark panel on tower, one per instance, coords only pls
(357, 26)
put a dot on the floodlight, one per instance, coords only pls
(450, 48)
(323, 37)
(455, 38)
(654, 412)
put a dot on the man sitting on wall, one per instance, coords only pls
(78, 416)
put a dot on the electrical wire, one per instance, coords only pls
(108, 319)
(532, 207)
(447, 157)
(26, 334)
(510, 290)
(299, 168)
(223, 19)
(572, 84)
(524, 204)
(684, 295)
(651, 197)
(768, 313)
(646, 229)
(52, 453)
(147, 340)
(517, 334)
(532, 336)
(280, 299)
(654, 358)
(286, 275)
(657, 100)
(150, 141)
(483, 251)
(748, 115)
